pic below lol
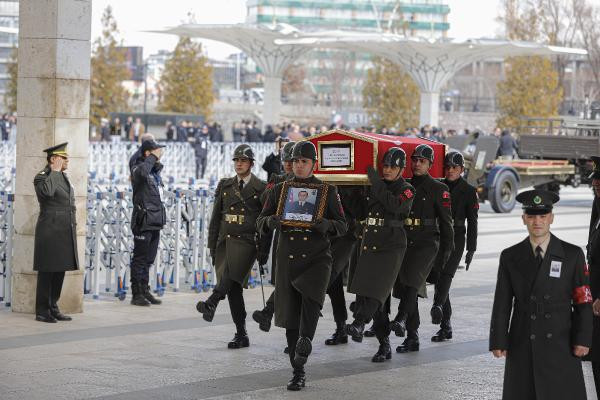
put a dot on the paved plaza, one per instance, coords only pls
(116, 351)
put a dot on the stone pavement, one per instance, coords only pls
(117, 351)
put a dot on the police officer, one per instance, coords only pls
(382, 249)
(55, 243)
(465, 206)
(201, 143)
(263, 317)
(542, 313)
(233, 242)
(274, 161)
(303, 263)
(593, 257)
(428, 230)
(147, 219)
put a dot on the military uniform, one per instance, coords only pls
(55, 243)
(429, 230)
(233, 244)
(465, 207)
(542, 307)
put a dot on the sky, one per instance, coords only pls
(467, 18)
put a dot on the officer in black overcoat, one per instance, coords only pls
(465, 207)
(593, 257)
(233, 241)
(303, 262)
(382, 249)
(55, 242)
(542, 313)
(429, 231)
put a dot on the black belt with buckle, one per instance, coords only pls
(415, 222)
(391, 223)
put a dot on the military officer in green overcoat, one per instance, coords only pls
(382, 249)
(303, 262)
(55, 246)
(233, 243)
(542, 313)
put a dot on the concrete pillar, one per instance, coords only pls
(53, 107)
(272, 101)
(430, 108)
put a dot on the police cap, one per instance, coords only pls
(394, 157)
(537, 202)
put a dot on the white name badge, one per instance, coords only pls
(555, 267)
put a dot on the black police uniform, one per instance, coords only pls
(381, 253)
(593, 258)
(55, 242)
(234, 246)
(542, 308)
(303, 267)
(465, 207)
(201, 143)
(147, 219)
(429, 230)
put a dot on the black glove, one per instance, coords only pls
(374, 177)
(274, 222)
(262, 258)
(469, 258)
(213, 253)
(323, 226)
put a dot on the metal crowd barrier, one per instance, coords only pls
(6, 246)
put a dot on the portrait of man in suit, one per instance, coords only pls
(300, 204)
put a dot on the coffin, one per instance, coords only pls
(343, 156)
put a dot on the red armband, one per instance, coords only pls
(447, 204)
(586, 270)
(270, 185)
(476, 206)
(582, 295)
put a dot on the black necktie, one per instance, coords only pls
(241, 185)
(538, 256)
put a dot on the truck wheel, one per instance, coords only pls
(502, 196)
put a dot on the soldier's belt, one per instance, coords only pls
(419, 222)
(234, 219)
(392, 223)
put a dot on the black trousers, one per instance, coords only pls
(49, 286)
(234, 292)
(409, 306)
(310, 311)
(442, 287)
(337, 297)
(596, 371)
(367, 308)
(145, 246)
(200, 166)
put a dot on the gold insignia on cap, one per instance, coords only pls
(537, 200)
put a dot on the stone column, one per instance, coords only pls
(430, 108)
(53, 107)
(272, 101)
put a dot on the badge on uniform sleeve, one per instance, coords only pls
(555, 267)
(446, 195)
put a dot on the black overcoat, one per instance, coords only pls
(593, 256)
(55, 243)
(537, 318)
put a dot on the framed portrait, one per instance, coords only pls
(301, 204)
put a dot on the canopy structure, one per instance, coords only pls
(430, 63)
(258, 42)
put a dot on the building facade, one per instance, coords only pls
(9, 19)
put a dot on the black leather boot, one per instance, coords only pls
(411, 343)
(369, 332)
(298, 380)
(303, 350)
(355, 330)
(445, 333)
(148, 295)
(138, 298)
(240, 339)
(398, 324)
(207, 308)
(436, 314)
(263, 317)
(384, 352)
(339, 336)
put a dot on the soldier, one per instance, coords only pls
(428, 230)
(465, 206)
(303, 263)
(381, 250)
(593, 257)
(543, 283)
(263, 317)
(232, 241)
(55, 246)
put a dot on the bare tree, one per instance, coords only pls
(587, 17)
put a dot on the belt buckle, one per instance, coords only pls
(381, 222)
(408, 221)
(417, 222)
(240, 219)
(371, 221)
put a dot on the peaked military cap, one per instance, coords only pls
(596, 172)
(58, 150)
(537, 202)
